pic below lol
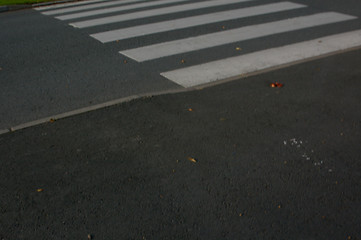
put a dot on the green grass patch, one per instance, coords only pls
(14, 2)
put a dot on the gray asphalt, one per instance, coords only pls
(49, 67)
(271, 163)
(240, 160)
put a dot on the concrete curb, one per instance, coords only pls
(8, 8)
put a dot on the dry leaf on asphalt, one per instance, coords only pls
(276, 84)
(192, 159)
(183, 61)
(39, 190)
(52, 120)
(238, 48)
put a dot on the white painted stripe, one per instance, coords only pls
(68, 4)
(193, 21)
(237, 66)
(117, 9)
(87, 7)
(240, 34)
(153, 12)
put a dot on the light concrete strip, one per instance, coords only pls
(54, 118)
(68, 114)
(193, 21)
(117, 9)
(153, 12)
(68, 4)
(237, 66)
(3, 131)
(220, 38)
(87, 7)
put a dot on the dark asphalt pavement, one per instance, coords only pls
(271, 163)
(49, 67)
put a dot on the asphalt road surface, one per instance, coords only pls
(62, 58)
(231, 160)
(271, 163)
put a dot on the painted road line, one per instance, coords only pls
(87, 7)
(240, 34)
(154, 12)
(193, 21)
(253, 62)
(117, 9)
(68, 4)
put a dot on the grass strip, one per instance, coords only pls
(17, 2)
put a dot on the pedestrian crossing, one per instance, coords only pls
(164, 17)
(182, 23)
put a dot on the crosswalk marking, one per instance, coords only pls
(236, 66)
(226, 68)
(68, 4)
(87, 7)
(153, 12)
(193, 21)
(118, 9)
(220, 38)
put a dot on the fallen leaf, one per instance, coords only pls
(241, 214)
(183, 61)
(39, 190)
(89, 237)
(190, 109)
(192, 159)
(222, 119)
(52, 120)
(125, 61)
(1, 69)
(238, 48)
(223, 27)
(276, 84)
(279, 206)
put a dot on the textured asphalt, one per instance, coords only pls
(49, 67)
(270, 163)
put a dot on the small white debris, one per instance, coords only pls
(330, 170)
(284, 143)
